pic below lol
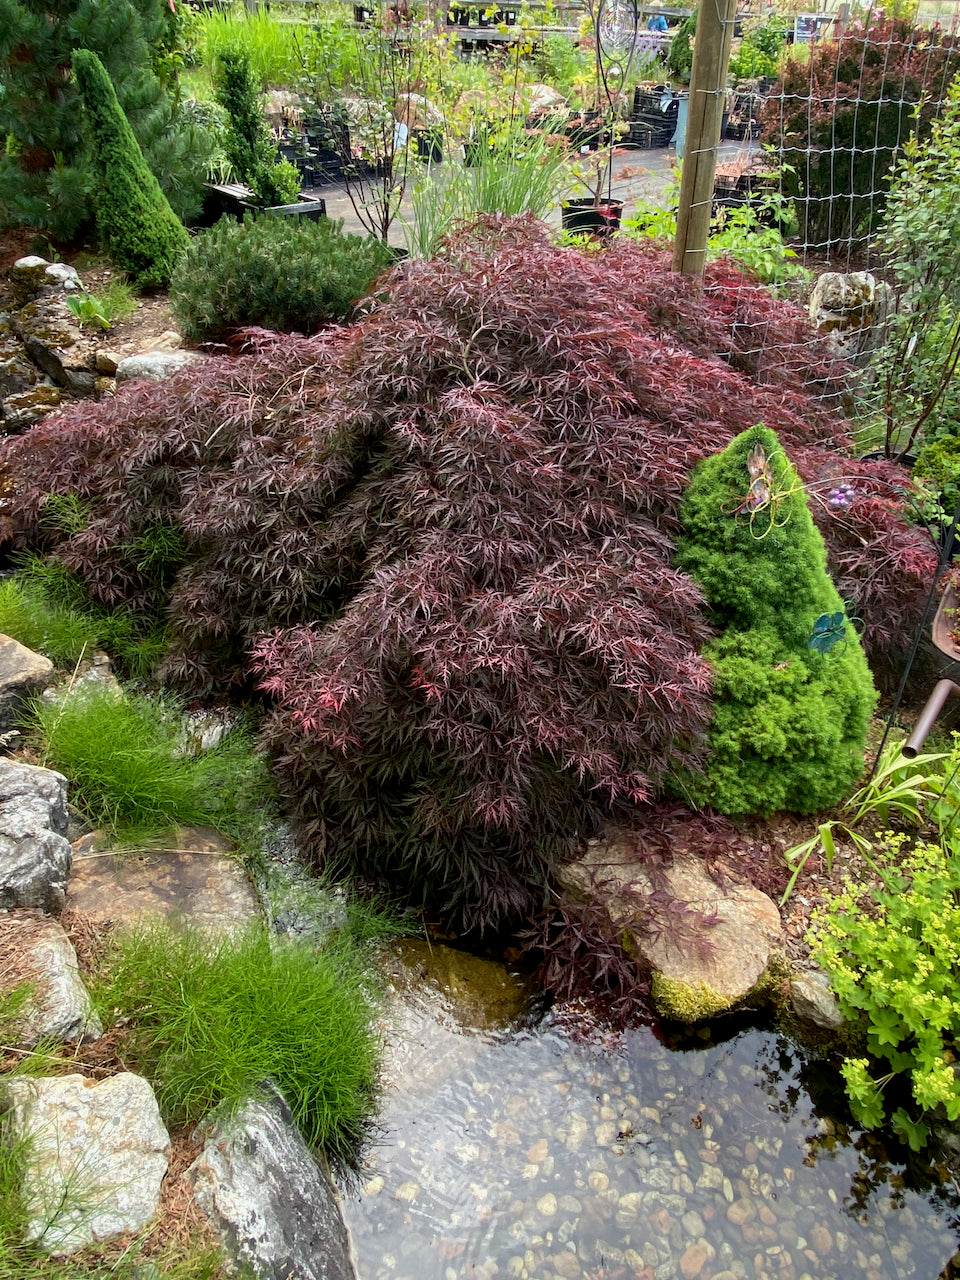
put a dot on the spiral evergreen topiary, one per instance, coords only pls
(141, 232)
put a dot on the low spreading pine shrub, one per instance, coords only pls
(788, 727)
(275, 273)
(142, 233)
(447, 534)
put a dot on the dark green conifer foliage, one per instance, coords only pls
(789, 724)
(45, 175)
(142, 233)
(248, 144)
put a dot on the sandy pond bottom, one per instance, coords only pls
(535, 1153)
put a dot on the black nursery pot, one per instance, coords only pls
(585, 216)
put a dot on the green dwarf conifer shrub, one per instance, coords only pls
(46, 169)
(141, 231)
(789, 723)
(278, 273)
(248, 143)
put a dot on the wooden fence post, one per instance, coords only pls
(708, 78)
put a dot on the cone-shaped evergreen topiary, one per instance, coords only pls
(142, 233)
(789, 723)
(45, 169)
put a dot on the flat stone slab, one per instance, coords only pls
(98, 1153)
(34, 949)
(198, 882)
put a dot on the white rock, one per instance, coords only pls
(23, 673)
(35, 855)
(155, 365)
(59, 1007)
(813, 1001)
(97, 1155)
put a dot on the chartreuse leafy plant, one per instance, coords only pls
(142, 233)
(788, 723)
(891, 947)
(892, 951)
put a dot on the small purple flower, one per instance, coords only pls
(841, 497)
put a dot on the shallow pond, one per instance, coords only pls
(539, 1153)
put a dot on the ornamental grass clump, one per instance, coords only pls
(214, 1018)
(792, 693)
(142, 233)
(442, 541)
(275, 273)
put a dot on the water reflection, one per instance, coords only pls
(537, 1154)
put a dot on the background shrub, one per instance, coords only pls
(278, 273)
(840, 112)
(46, 170)
(455, 521)
(248, 143)
(142, 233)
(789, 724)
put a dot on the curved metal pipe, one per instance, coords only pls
(942, 690)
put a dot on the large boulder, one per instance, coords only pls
(35, 950)
(54, 342)
(269, 1200)
(97, 1154)
(710, 947)
(23, 674)
(35, 855)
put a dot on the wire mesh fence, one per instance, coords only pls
(849, 162)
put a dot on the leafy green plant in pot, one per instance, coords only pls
(613, 57)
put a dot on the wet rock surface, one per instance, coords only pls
(541, 1154)
(198, 881)
(271, 1203)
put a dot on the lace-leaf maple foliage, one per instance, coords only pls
(442, 538)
